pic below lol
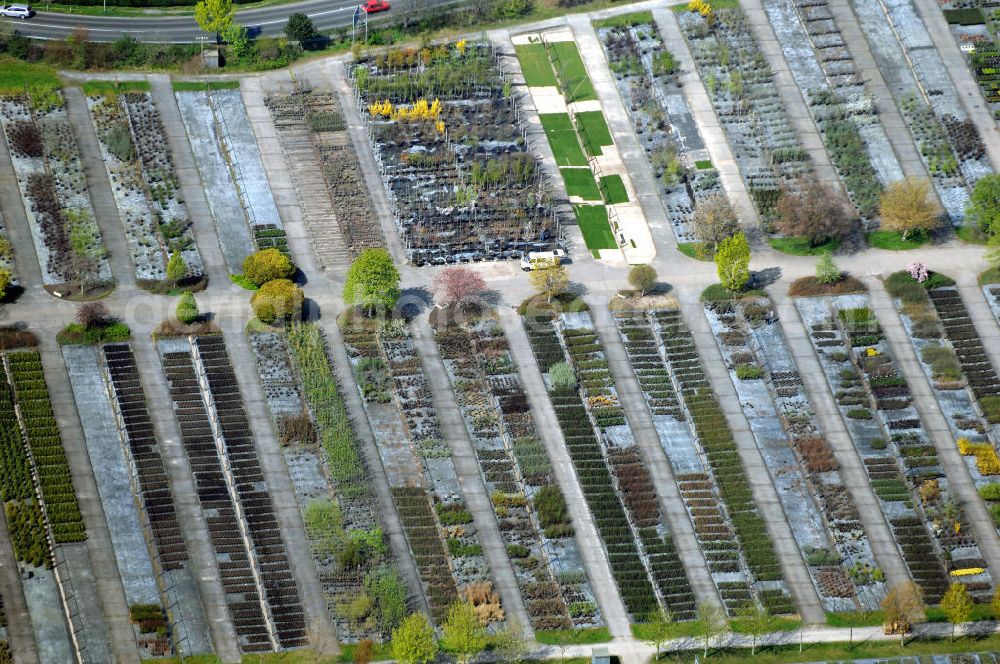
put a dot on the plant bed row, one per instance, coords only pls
(928, 523)
(647, 79)
(438, 526)
(974, 27)
(707, 466)
(365, 597)
(741, 86)
(451, 149)
(529, 506)
(948, 141)
(238, 511)
(317, 118)
(802, 466)
(144, 185)
(46, 159)
(610, 468)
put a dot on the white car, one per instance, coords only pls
(528, 260)
(17, 11)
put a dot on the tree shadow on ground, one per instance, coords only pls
(765, 277)
(413, 301)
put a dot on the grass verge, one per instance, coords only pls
(575, 637)
(572, 74)
(990, 276)
(97, 88)
(535, 65)
(580, 182)
(594, 131)
(201, 86)
(719, 293)
(593, 220)
(894, 241)
(561, 133)
(625, 20)
(801, 246)
(15, 75)
(697, 250)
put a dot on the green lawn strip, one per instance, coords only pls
(593, 220)
(96, 88)
(201, 86)
(625, 20)
(990, 276)
(613, 189)
(717, 4)
(800, 246)
(854, 619)
(580, 182)
(894, 241)
(703, 164)
(573, 79)
(16, 74)
(583, 636)
(562, 137)
(971, 233)
(696, 250)
(535, 65)
(594, 131)
(380, 651)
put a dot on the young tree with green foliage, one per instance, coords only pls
(187, 309)
(827, 271)
(461, 633)
(709, 624)
(267, 265)
(300, 28)
(372, 282)
(548, 276)
(957, 606)
(983, 207)
(413, 641)
(907, 207)
(241, 44)
(5, 279)
(755, 621)
(510, 644)
(214, 16)
(732, 260)
(277, 300)
(658, 629)
(176, 268)
(642, 278)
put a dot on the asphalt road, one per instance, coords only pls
(326, 15)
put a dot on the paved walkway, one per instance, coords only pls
(192, 521)
(852, 471)
(796, 575)
(463, 456)
(641, 423)
(969, 93)
(934, 424)
(892, 121)
(186, 169)
(791, 97)
(319, 629)
(99, 188)
(708, 122)
(93, 571)
(588, 542)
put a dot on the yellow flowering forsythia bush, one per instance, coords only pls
(968, 571)
(987, 460)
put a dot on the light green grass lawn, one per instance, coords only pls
(593, 220)
(799, 246)
(15, 74)
(562, 137)
(625, 20)
(613, 189)
(697, 250)
(582, 636)
(894, 241)
(594, 131)
(535, 65)
(572, 74)
(580, 182)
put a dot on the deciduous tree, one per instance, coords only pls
(815, 211)
(549, 277)
(458, 285)
(732, 260)
(709, 624)
(957, 606)
(93, 314)
(642, 278)
(714, 220)
(907, 207)
(214, 16)
(267, 265)
(372, 282)
(461, 633)
(903, 605)
(5, 279)
(983, 207)
(658, 628)
(413, 641)
(755, 621)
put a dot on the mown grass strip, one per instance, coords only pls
(535, 65)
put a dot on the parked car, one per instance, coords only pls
(528, 260)
(374, 6)
(17, 11)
